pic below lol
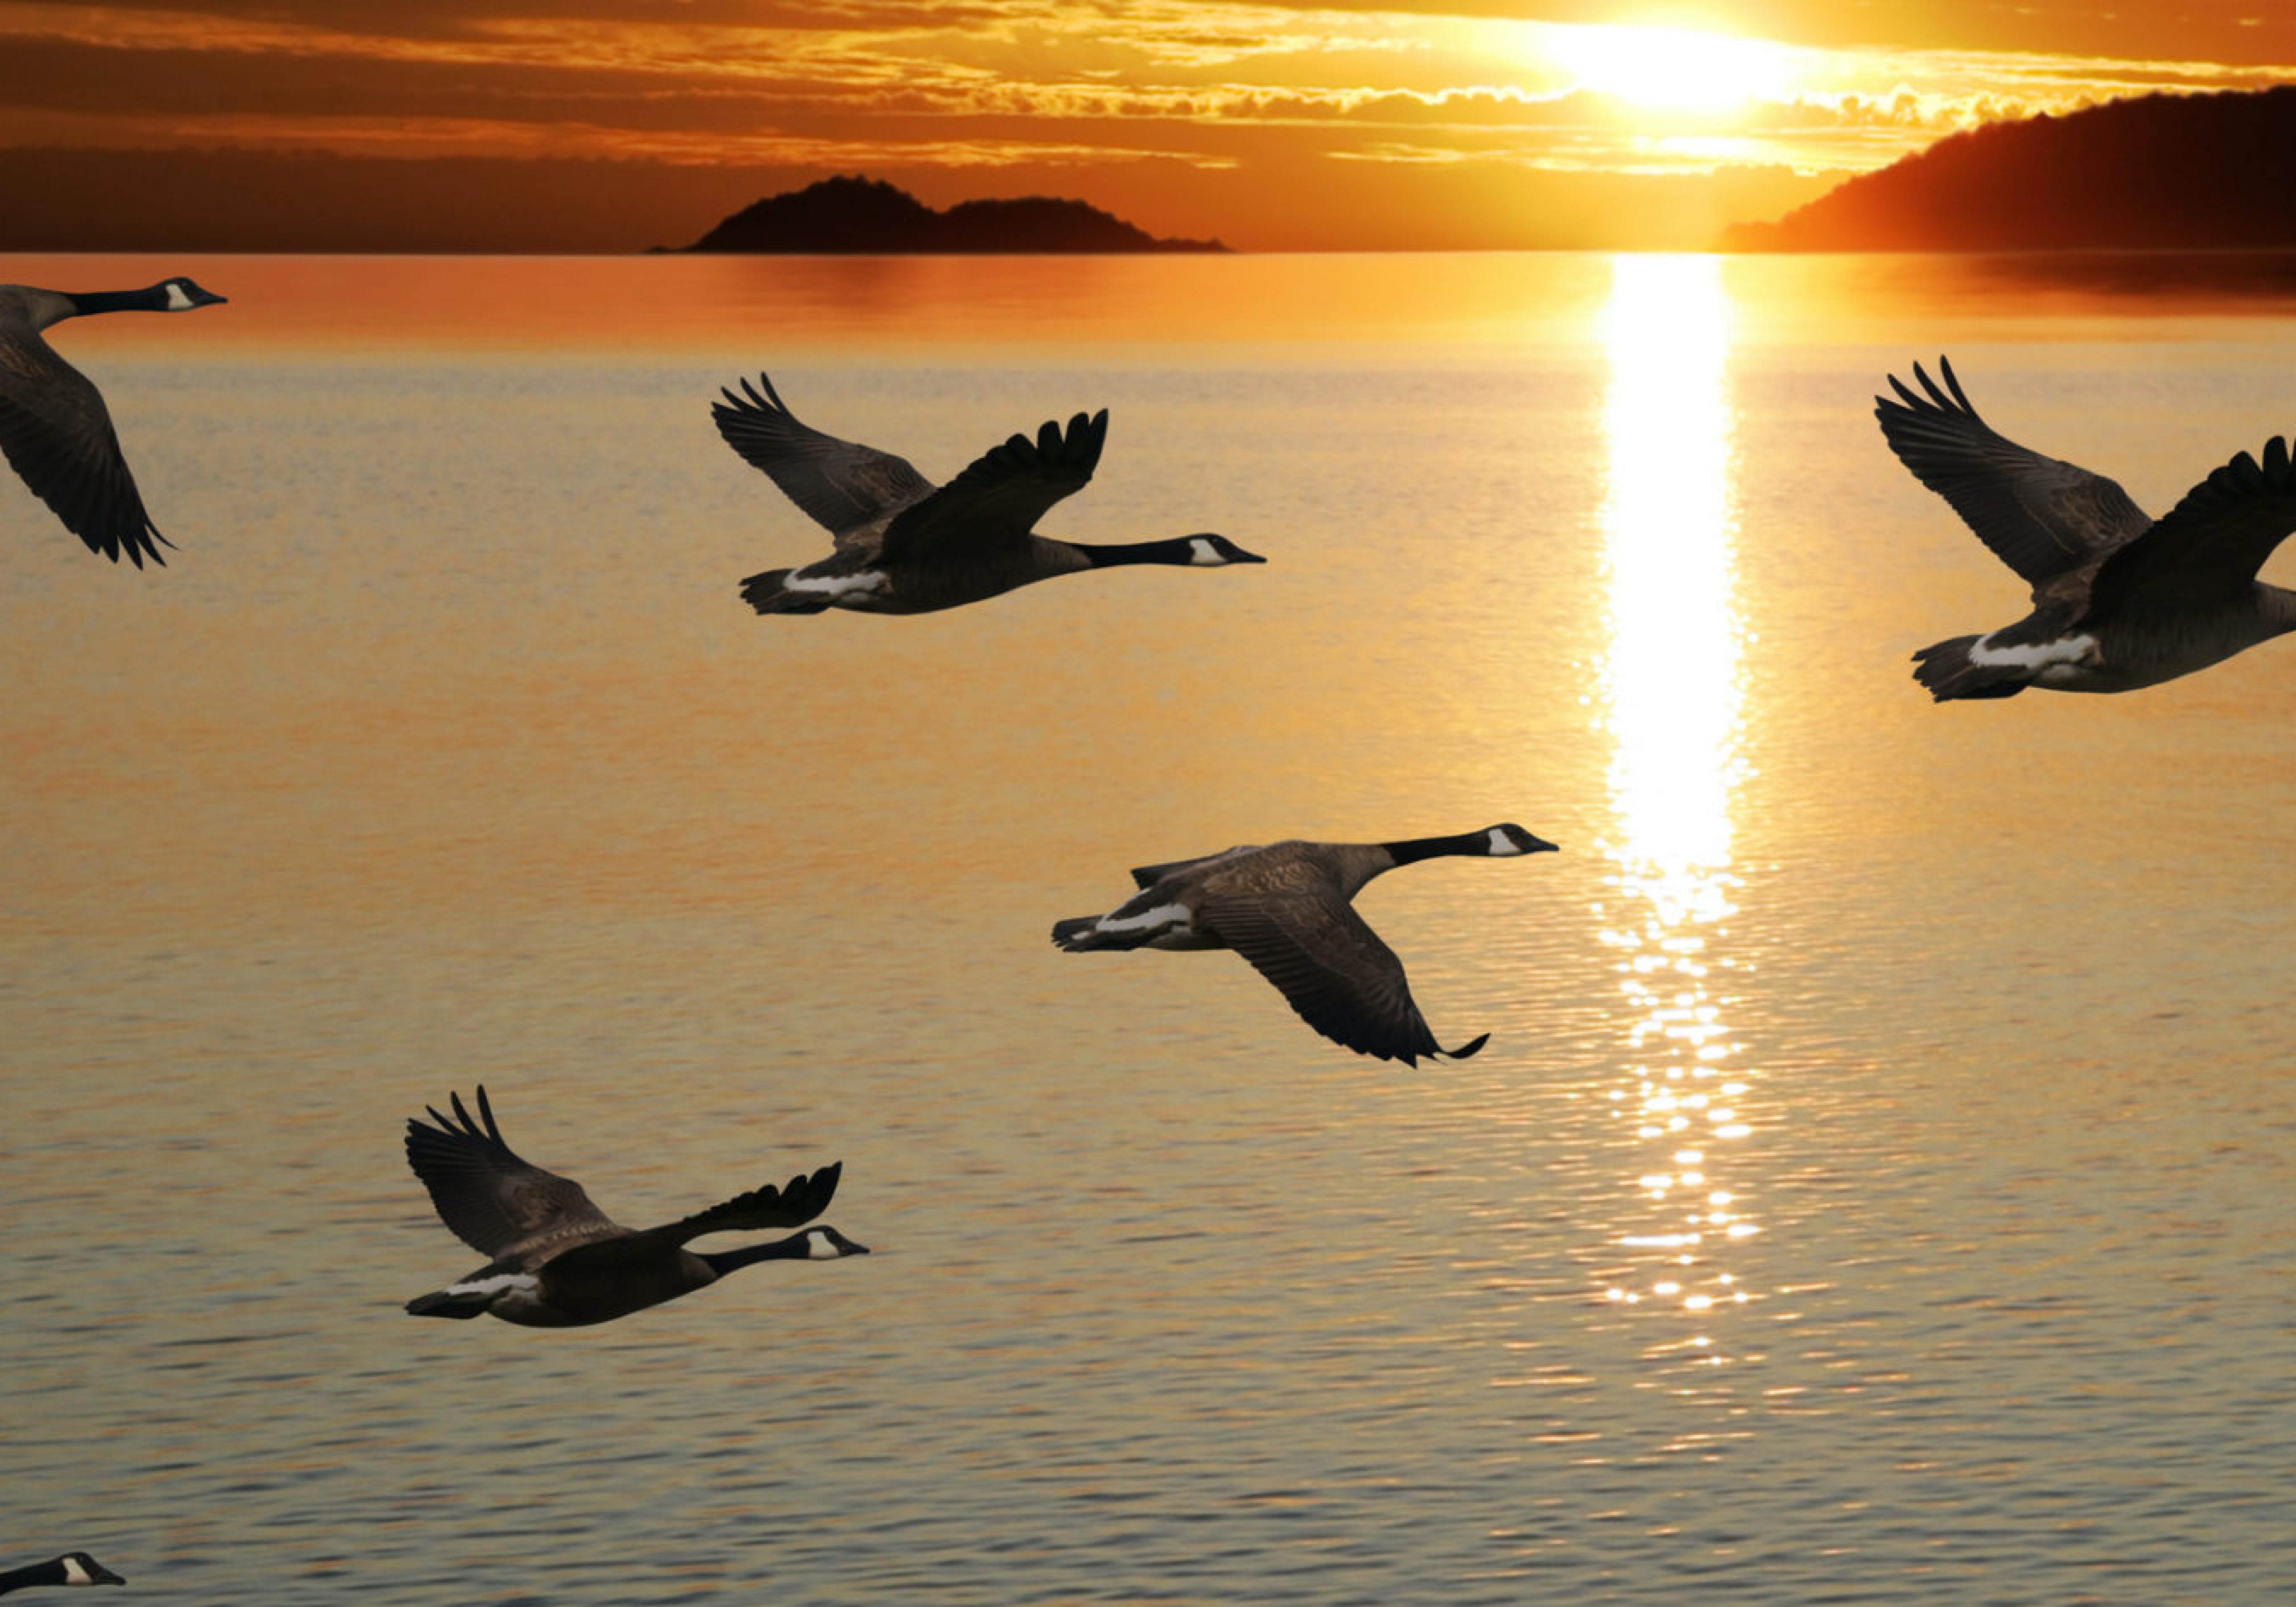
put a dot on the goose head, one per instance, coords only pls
(80, 1569)
(1210, 550)
(827, 1244)
(181, 295)
(1502, 840)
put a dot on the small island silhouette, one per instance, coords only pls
(2157, 172)
(865, 214)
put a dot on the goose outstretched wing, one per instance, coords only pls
(57, 435)
(793, 1205)
(1145, 876)
(843, 485)
(498, 1204)
(2207, 548)
(1333, 969)
(2042, 517)
(1001, 494)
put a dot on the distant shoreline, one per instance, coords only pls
(859, 216)
(2156, 172)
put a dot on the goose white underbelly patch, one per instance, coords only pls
(507, 1282)
(867, 582)
(1171, 916)
(2066, 650)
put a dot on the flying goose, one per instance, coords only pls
(1286, 908)
(558, 1261)
(2119, 601)
(73, 1567)
(54, 428)
(907, 546)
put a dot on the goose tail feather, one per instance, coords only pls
(766, 593)
(1082, 934)
(446, 1302)
(1949, 673)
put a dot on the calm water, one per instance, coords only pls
(1874, 1190)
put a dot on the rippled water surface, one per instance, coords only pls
(1874, 1190)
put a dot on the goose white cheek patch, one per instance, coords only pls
(74, 1574)
(178, 302)
(1501, 844)
(1204, 552)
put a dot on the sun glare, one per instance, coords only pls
(1670, 69)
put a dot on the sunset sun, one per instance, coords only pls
(1670, 69)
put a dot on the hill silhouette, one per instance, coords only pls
(867, 215)
(2156, 172)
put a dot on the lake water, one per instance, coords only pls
(1874, 1190)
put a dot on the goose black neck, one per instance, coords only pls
(1414, 849)
(38, 1573)
(791, 1249)
(1175, 549)
(152, 299)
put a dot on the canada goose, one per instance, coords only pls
(907, 546)
(54, 426)
(2119, 601)
(73, 1567)
(558, 1261)
(1286, 908)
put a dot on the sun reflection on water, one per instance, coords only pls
(1671, 707)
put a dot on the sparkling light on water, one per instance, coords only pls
(1671, 708)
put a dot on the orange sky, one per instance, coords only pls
(618, 124)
